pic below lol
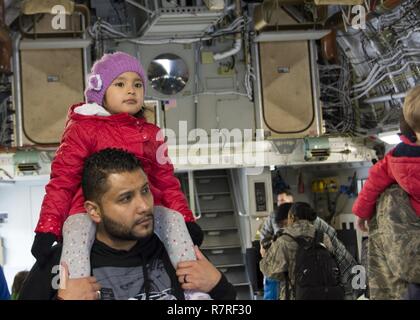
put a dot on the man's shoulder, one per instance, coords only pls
(321, 225)
(270, 219)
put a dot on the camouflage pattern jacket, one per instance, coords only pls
(345, 260)
(394, 246)
(280, 257)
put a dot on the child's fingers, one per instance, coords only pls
(362, 225)
(64, 275)
(64, 270)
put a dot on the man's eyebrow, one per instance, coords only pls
(124, 193)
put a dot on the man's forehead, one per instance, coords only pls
(127, 179)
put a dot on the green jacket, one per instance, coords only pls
(280, 257)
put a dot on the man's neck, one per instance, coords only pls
(116, 244)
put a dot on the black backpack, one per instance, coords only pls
(317, 276)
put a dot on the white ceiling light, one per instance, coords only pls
(291, 35)
(391, 137)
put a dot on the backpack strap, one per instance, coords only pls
(301, 241)
(318, 238)
(289, 235)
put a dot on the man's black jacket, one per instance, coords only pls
(144, 272)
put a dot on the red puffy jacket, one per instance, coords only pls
(85, 135)
(402, 170)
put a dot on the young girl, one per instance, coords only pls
(111, 117)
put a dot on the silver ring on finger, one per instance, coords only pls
(98, 294)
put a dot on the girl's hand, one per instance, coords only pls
(77, 289)
(362, 224)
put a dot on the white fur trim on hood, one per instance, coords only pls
(91, 109)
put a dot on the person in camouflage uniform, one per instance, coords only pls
(394, 246)
(344, 259)
(280, 256)
(267, 231)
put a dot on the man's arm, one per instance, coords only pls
(267, 230)
(223, 290)
(344, 259)
(275, 263)
(42, 281)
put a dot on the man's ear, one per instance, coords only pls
(92, 209)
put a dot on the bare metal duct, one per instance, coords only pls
(387, 97)
(238, 39)
(236, 48)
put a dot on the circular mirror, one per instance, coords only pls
(168, 73)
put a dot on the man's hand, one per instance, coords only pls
(198, 275)
(262, 251)
(362, 224)
(77, 289)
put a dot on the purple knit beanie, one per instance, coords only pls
(105, 70)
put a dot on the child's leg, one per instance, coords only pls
(78, 236)
(171, 229)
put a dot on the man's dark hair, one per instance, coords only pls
(303, 211)
(282, 212)
(286, 191)
(100, 165)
